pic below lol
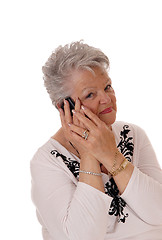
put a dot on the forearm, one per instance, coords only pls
(66, 208)
(90, 164)
(122, 178)
(144, 196)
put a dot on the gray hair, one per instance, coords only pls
(59, 66)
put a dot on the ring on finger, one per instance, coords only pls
(85, 134)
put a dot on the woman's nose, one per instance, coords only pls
(105, 98)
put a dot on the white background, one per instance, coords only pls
(128, 31)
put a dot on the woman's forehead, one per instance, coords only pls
(87, 79)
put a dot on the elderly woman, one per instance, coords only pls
(94, 179)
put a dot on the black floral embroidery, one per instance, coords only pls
(126, 147)
(117, 204)
(71, 164)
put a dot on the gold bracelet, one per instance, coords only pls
(122, 166)
(115, 161)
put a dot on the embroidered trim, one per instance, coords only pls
(71, 164)
(126, 147)
(117, 204)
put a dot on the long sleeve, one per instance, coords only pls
(144, 190)
(72, 210)
(67, 209)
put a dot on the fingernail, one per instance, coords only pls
(69, 124)
(73, 111)
(83, 107)
(64, 101)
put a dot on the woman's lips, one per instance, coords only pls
(107, 110)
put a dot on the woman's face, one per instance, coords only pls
(95, 92)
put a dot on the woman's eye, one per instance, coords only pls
(89, 95)
(108, 87)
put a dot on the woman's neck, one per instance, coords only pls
(60, 137)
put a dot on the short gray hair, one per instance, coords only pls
(59, 66)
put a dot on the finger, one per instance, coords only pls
(62, 117)
(77, 108)
(87, 122)
(79, 140)
(91, 115)
(78, 130)
(82, 124)
(68, 117)
(65, 125)
(77, 104)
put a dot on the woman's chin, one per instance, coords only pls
(109, 120)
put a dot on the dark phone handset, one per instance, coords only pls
(71, 104)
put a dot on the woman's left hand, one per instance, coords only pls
(100, 142)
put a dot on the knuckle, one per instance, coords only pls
(97, 132)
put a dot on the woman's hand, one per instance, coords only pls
(67, 119)
(101, 141)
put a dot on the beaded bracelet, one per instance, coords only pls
(92, 173)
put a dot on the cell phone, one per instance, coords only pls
(71, 104)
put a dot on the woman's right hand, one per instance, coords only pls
(67, 119)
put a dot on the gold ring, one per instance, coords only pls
(85, 134)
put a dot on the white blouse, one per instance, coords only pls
(71, 210)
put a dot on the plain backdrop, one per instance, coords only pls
(128, 31)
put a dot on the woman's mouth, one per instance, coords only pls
(107, 110)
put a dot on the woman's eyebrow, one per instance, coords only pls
(86, 88)
(107, 82)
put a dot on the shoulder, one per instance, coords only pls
(130, 128)
(52, 159)
(52, 156)
(130, 135)
(130, 138)
(44, 156)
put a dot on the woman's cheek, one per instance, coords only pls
(114, 102)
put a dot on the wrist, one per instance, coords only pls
(90, 163)
(122, 167)
(90, 173)
(114, 161)
(109, 160)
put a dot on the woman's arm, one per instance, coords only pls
(68, 210)
(102, 146)
(123, 177)
(87, 161)
(90, 164)
(144, 191)
(141, 189)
